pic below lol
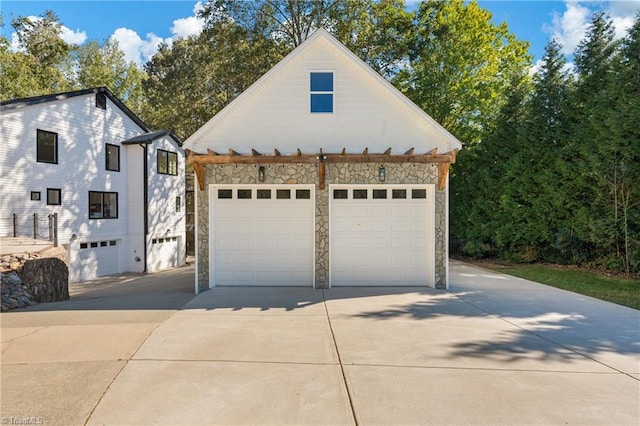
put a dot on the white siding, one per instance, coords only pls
(83, 130)
(165, 223)
(275, 112)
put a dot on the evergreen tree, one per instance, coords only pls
(596, 169)
(533, 203)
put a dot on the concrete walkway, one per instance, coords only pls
(493, 350)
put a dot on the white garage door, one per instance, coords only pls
(95, 259)
(164, 253)
(262, 235)
(382, 235)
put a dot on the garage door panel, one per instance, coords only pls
(262, 241)
(382, 241)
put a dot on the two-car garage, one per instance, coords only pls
(267, 235)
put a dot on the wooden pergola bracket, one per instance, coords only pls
(443, 161)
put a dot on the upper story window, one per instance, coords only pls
(321, 85)
(167, 162)
(103, 205)
(112, 154)
(47, 147)
(101, 101)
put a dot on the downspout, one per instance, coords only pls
(145, 202)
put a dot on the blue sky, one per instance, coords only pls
(139, 26)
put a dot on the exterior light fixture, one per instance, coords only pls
(382, 174)
(261, 173)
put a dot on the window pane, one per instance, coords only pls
(47, 147)
(244, 194)
(399, 193)
(379, 193)
(103, 243)
(113, 157)
(303, 194)
(162, 162)
(35, 196)
(95, 205)
(173, 163)
(283, 194)
(225, 194)
(340, 194)
(322, 82)
(53, 196)
(264, 194)
(359, 194)
(110, 205)
(321, 102)
(418, 193)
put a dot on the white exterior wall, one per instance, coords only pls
(134, 255)
(83, 130)
(164, 221)
(275, 111)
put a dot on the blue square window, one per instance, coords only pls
(321, 87)
(322, 82)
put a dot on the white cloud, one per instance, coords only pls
(68, 35)
(570, 27)
(140, 50)
(73, 37)
(185, 27)
(134, 47)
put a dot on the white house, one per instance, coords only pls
(117, 188)
(322, 174)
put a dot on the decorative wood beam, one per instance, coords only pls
(434, 151)
(211, 152)
(409, 151)
(255, 153)
(199, 170)
(442, 160)
(443, 171)
(344, 151)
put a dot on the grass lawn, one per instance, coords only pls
(622, 291)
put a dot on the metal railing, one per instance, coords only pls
(36, 227)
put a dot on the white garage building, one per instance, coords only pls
(322, 174)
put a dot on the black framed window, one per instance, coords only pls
(167, 162)
(47, 147)
(101, 101)
(178, 204)
(54, 196)
(112, 156)
(35, 195)
(103, 205)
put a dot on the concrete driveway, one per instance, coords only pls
(493, 350)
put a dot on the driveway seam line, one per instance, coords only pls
(126, 362)
(335, 344)
(547, 339)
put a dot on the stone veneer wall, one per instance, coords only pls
(351, 173)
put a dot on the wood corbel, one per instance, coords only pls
(199, 170)
(321, 171)
(443, 171)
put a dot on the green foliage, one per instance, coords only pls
(46, 64)
(460, 65)
(558, 178)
